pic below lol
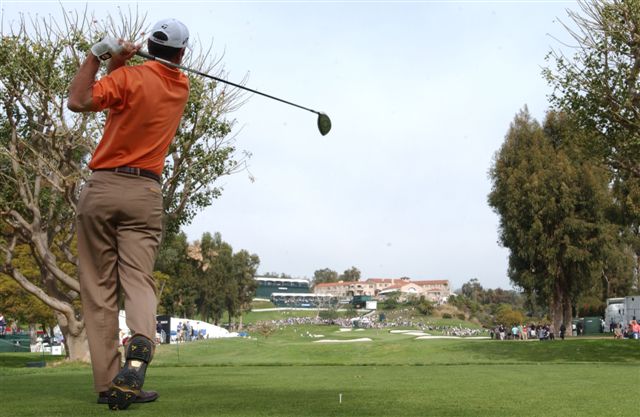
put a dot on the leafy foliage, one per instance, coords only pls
(44, 150)
(598, 85)
(206, 278)
(553, 203)
(350, 275)
(324, 275)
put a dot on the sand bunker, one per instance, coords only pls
(363, 339)
(410, 332)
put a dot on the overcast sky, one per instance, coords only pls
(421, 95)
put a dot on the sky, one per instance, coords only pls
(420, 94)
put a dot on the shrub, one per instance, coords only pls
(328, 314)
(425, 307)
(390, 304)
(447, 316)
(461, 316)
(266, 328)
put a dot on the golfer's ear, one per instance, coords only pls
(181, 55)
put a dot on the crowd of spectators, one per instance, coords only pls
(631, 331)
(372, 323)
(526, 332)
(186, 332)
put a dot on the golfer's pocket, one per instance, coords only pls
(155, 203)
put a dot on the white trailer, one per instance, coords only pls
(631, 308)
(614, 312)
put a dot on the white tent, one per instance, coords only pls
(207, 330)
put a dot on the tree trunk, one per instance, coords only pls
(76, 344)
(556, 305)
(33, 334)
(567, 314)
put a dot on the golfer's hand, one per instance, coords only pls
(126, 51)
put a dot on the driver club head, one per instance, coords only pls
(324, 123)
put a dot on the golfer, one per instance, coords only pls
(120, 207)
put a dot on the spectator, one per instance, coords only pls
(3, 324)
(635, 329)
(515, 332)
(617, 332)
(563, 329)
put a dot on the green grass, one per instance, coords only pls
(393, 375)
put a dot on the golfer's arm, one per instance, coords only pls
(80, 91)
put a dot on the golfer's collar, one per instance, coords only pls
(170, 71)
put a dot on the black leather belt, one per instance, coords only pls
(133, 171)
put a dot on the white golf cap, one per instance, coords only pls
(176, 33)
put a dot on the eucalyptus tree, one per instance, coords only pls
(225, 280)
(552, 204)
(324, 275)
(44, 150)
(350, 275)
(599, 85)
(596, 82)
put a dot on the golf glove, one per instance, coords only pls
(106, 48)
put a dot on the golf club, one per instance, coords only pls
(324, 123)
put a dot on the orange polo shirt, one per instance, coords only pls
(145, 105)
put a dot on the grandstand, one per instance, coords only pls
(269, 285)
(303, 300)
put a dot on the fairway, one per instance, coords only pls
(392, 375)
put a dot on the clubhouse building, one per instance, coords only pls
(437, 291)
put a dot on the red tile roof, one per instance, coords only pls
(391, 287)
(333, 284)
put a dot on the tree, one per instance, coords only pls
(473, 290)
(241, 285)
(225, 280)
(598, 86)
(552, 204)
(178, 294)
(276, 275)
(17, 304)
(507, 316)
(350, 275)
(44, 149)
(216, 258)
(324, 275)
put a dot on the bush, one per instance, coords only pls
(390, 304)
(425, 307)
(447, 316)
(328, 314)
(461, 316)
(265, 328)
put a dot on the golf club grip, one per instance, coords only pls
(145, 55)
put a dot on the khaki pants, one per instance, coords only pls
(119, 232)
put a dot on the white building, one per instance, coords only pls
(436, 290)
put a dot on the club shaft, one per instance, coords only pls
(174, 65)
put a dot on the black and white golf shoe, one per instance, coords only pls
(126, 387)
